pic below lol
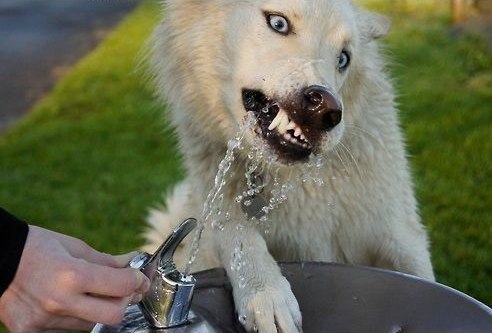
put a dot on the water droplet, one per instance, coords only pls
(218, 225)
(242, 282)
(319, 162)
(242, 319)
(233, 144)
(396, 329)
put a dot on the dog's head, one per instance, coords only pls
(289, 62)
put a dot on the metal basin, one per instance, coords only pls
(345, 299)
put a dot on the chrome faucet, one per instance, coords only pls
(168, 300)
(166, 306)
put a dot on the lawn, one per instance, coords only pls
(96, 153)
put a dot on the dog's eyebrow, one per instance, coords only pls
(342, 36)
(283, 10)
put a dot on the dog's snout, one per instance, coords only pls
(326, 107)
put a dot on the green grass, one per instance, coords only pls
(95, 154)
(446, 103)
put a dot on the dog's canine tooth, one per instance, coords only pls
(284, 121)
(298, 131)
(277, 120)
(291, 125)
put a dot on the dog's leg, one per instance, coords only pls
(408, 251)
(263, 297)
(162, 221)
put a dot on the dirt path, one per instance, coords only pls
(40, 39)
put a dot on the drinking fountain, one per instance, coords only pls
(166, 306)
(333, 298)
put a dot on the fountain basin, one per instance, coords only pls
(337, 298)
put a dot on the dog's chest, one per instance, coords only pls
(302, 228)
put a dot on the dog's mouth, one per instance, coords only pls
(294, 134)
(278, 126)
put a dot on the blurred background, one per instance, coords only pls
(84, 148)
(41, 39)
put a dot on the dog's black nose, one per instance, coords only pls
(325, 108)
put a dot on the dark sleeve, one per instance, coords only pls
(13, 235)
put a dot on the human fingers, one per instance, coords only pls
(113, 282)
(81, 250)
(136, 298)
(21, 318)
(105, 310)
(70, 323)
(123, 260)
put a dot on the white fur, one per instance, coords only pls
(203, 54)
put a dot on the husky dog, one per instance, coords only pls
(311, 74)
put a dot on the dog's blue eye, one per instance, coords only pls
(278, 23)
(343, 61)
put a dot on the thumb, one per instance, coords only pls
(123, 260)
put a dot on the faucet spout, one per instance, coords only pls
(168, 301)
(162, 260)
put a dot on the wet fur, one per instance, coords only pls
(203, 53)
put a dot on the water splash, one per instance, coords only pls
(213, 203)
(258, 178)
(238, 261)
(311, 171)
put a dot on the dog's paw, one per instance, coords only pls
(272, 309)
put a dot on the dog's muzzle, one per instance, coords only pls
(294, 124)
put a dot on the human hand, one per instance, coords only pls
(62, 283)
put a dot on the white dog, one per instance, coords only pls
(311, 74)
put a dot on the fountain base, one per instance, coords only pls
(335, 298)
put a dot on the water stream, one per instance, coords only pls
(258, 176)
(211, 204)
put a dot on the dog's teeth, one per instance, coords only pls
(275, 121)
(297, 131)
(303, 137)
(278, 119)
(282, 127)
(292, 125)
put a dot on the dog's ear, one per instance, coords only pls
(373, 25)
